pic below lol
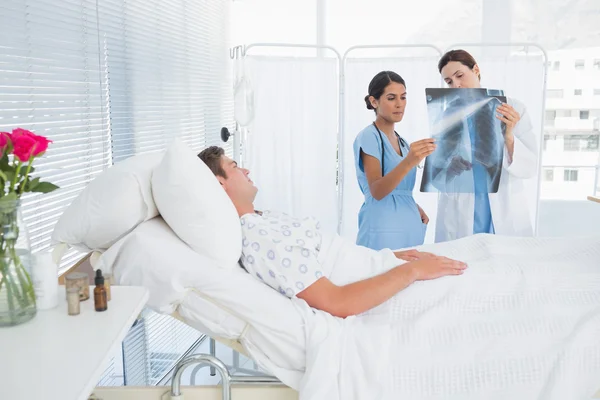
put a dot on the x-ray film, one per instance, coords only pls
(469, 138)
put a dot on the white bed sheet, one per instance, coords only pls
(522, 323)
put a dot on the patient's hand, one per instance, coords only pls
(412, 255)
(435, 267)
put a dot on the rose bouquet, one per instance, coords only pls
(18, 152)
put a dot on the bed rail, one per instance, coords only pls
(226, 379)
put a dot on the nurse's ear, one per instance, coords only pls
(374, 102)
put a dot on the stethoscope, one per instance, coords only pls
(401, 141)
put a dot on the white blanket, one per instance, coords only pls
(523, 322)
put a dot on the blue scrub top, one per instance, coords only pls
(482, 218)
(393, 222)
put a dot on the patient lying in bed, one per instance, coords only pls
(285, 252)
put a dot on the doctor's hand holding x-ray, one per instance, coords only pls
(504, 212)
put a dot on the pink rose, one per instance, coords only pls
(42, 145)
(27, 143)
(4, 141)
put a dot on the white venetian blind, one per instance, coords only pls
(50, 83)
(107, 80)
(168, 72)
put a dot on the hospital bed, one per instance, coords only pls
(200, 310)
(436, 325)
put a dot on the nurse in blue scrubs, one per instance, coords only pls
(386, 171)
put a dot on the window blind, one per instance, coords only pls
(107, 80)
(168, 72)
(50, 83)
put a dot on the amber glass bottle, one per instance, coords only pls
(100, 299)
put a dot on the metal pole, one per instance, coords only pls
(321, 25)
(496, 25)
(597, 174)
(340, 154)
(290, 45)
(213, 352)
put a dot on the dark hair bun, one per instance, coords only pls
(369, 105)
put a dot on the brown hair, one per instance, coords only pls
(212, 157)
(460, 56)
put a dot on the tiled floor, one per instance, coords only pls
(196, 375)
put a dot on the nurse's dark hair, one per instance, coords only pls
(461, 56)
(379, 83)
(212, 157)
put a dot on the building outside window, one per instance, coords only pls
(581, 142)
(555, 93)
(571, 175)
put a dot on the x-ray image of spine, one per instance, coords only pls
(469, 138)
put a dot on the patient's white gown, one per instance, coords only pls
(282, 251)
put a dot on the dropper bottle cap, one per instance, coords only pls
(99, 278)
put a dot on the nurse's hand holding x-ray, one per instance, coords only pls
(386, 172)
(505, 212)
(419, 150)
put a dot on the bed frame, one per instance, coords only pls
(246, 387)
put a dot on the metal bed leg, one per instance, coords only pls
(213, 351)
(236, 360)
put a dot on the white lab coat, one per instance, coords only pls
(510, 212)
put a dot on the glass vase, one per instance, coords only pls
(17, 296)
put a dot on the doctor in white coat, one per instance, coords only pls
(504, 212)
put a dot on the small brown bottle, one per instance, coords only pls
(100, 300)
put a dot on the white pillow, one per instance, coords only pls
(218, 301)
(110, 206)
(193, 203)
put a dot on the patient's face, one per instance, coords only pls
(238, 184)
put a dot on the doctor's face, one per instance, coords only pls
(238, 185)
(390, 106)
(457, 75)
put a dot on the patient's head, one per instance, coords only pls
(238, 186)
